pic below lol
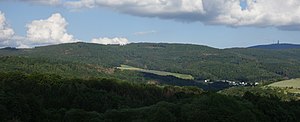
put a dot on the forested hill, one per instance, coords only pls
(202, 62)
(277, 46)
(50, 98)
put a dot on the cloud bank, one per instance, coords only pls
(106, 41)
(49, 31)
(52, 30)
(39, 32)
(6, 33)
(282, 14)
(144, 32)
(44, 2)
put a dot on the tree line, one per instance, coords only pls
(49, 97)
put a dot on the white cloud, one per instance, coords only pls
(49, 31)
(39, 33)
(168, 9)
(44, 2)
(45, 32)
(6, 33)
(283, 14)
(106, 41)
(81, 4)
(144, 32)
(259, 13)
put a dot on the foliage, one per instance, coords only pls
(261, 91)
(244, 64)
(45, 97)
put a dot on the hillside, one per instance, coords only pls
(90, 82)
(50, 98)
(201, 62)
(277, 46)
(291, 86)
(287, 83)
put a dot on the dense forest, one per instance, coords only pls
(202, 62)
(51, 98)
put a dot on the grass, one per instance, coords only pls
(295, 83)
(162, 73)
(292, 85)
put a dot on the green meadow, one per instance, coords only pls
(292, 85)
(295, 83)
(162, 73)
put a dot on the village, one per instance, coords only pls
(233, 83)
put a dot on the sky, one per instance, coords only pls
(215, 23)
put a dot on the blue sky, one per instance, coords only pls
(102, 22)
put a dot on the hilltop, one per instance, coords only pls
(277, 46)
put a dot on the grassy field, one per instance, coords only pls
(162, 73)
(295, 83)
(292, 85)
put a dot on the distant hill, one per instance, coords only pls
(8, 48)
(202, 62)
(277, 46)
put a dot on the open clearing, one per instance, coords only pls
(295, 83)
(162, 73)
(292, 85)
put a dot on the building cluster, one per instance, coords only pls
(234, 83)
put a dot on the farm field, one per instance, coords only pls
(292, 85)
(162, 73)
(295, 83)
